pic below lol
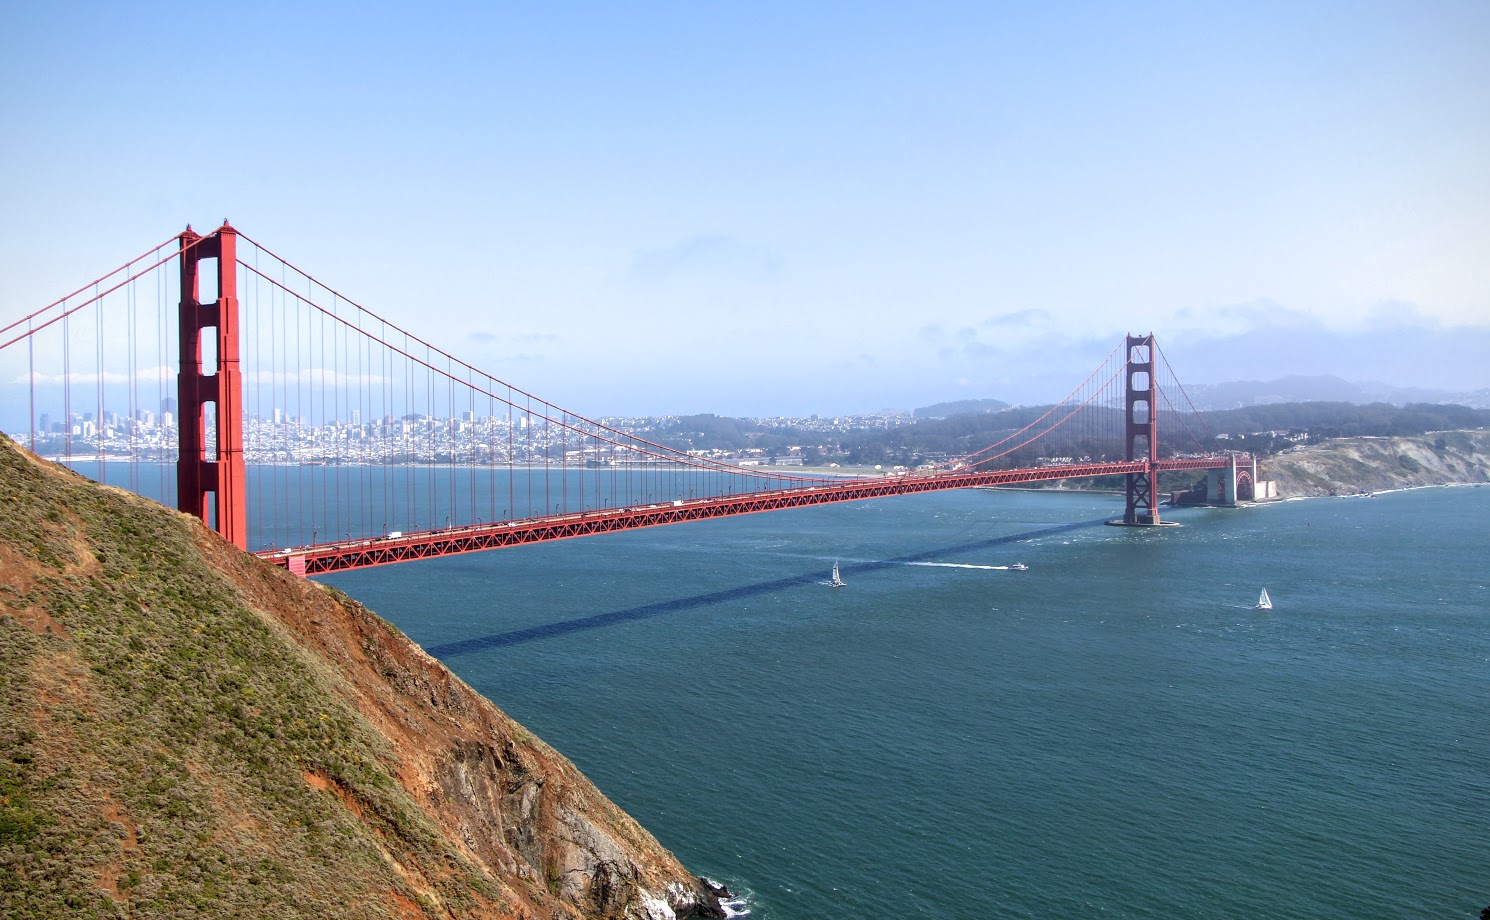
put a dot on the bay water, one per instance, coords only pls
(1113, 731)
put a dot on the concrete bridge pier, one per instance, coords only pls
(1231, 484)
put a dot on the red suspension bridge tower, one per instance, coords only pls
(1141, 420)
(221, 473)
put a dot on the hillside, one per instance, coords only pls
(1351, 465)
(188, 732)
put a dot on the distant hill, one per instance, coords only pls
(960, 407)
(959, 435)
(1325, 388)
(1346, 419)
(187, 731)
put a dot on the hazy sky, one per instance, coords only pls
(785, 208)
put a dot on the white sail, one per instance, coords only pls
(1263, 601)
(836, 581)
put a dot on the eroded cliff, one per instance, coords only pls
(1350, 465)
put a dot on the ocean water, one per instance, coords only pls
(1112, 732)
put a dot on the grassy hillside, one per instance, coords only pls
(188, 732)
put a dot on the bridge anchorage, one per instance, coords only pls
(301, 425)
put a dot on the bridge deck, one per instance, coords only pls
(358, 554)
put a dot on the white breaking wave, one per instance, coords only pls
(736, 908)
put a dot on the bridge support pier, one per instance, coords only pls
(1232, 484)
(1220, 487)
(221, 474)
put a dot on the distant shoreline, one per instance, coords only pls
(1341, 467)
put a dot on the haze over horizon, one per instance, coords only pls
(767, 210)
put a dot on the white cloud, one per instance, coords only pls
(90, 378)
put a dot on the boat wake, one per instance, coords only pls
(961, 565)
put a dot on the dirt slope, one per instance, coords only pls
(188, 732)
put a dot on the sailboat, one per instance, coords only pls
(1263, 601)
(835, 581)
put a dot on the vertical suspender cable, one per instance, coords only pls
(129, 376)
(320, 383)
(275, 368)
(410, 483)
(66, 391)
(31, 381)
(450, 436)
(385, 413)
(98, 418)
(434, 469)
(302, 338)
(512, 460)
(258, 410)
(160, 367)
(332, 427)
(364, 414)
(491, 436)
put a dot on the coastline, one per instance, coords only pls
(1351, 466)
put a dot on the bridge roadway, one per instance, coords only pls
(345, 555)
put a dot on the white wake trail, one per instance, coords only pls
(960, 565)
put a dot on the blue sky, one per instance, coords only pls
(790, 208)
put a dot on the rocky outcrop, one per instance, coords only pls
(187, 731)
(1351, 465)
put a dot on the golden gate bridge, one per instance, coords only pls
(301, 425)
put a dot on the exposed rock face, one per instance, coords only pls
(186, 731)
(1350, 465)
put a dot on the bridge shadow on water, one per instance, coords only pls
(681, 604)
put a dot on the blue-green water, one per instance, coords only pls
(1111, 732)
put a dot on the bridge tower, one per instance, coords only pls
(222, 473)
(1142, 422)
